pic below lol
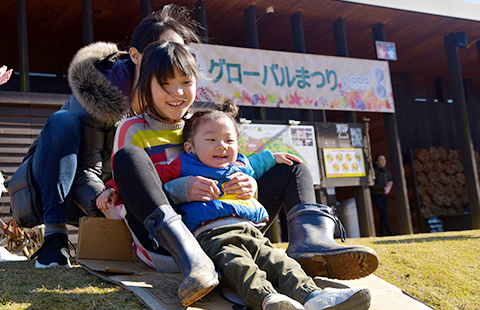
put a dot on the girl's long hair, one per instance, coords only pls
(172, 17)
(159, 62)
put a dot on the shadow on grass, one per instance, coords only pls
(25, 287)
(427, 239)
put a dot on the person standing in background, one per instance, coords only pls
(379, 191)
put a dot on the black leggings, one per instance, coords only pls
(142, 190)
(287, 186)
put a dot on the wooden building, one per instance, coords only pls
(435, 78)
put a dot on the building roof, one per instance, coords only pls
(55, 32)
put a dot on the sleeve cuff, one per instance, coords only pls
(177, 190)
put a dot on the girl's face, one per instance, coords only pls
(173, 103)
(215, 143)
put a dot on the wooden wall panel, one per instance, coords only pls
(20, 124)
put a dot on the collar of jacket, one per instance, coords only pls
(100, 98)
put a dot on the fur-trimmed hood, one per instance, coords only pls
(96, 94)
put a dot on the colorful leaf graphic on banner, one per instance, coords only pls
(246, 97)
(271, 98)
(295, 99)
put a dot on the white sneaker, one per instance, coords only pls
(280, 302)
(340, 299)
(6, 256)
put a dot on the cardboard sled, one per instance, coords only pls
(105, 250)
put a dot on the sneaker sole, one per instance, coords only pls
(54, 264)
(342, 266)
(281, 305)
(358, 301)
(188, 298)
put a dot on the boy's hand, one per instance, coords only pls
(286, 158)
(108, 196)
(241, 184)
(388, 188)
(202, 189)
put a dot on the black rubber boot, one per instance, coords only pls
(312, 244)
(199, 277)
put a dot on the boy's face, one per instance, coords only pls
(381, 161)
(215, 143)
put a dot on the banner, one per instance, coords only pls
(298, 140)
(252, 77)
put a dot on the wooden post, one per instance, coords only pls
(396, 161)
(452, 42)
(341, 46)
(297, 33)
(201, 18)
(362, 193)
(145, 8)
(251, 26)
(87, 20)
(253, 42)
(23, 46)
(299, 47)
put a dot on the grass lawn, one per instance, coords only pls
(440, 269)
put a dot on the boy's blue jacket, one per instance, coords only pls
(195, 213)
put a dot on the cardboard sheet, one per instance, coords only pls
(105, 250)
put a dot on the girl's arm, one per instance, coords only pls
(261, 163)
(265, 160)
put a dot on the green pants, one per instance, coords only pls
(252, 266)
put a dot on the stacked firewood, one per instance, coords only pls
(440, 181)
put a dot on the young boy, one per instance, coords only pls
(227, 228)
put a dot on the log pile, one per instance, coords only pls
(440, 181)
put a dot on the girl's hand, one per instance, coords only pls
(108, 196)
(286, 158)
(241, 184)
(202, 189)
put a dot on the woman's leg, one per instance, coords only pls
(150, 216)
(141, 191)
(287, 186)
(54, 165)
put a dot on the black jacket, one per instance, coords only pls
(382, 177)
(100, 106)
